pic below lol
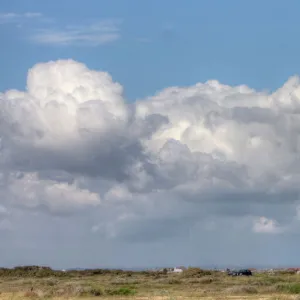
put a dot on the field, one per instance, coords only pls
(43, 283)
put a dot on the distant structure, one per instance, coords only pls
(177, 270)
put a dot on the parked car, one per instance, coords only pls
(243, 272)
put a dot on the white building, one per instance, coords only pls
(177, 270)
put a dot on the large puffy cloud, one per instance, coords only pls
(70, 118)
(184, 166)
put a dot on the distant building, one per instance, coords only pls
(177, 270)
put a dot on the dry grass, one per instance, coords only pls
(216, 297)
(192, 284)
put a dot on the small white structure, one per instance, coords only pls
(177, 270)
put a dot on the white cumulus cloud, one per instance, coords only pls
(190, 165)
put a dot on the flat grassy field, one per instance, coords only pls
(194, 283)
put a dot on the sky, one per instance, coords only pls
(149, 133)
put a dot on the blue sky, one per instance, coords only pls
(204, 167)
(160, 43)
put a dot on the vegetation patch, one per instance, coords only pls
(290, 288)
(244, 289)
(195, 272)
(193, 283)
(122, 291)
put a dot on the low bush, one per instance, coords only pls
(195, 272)
(123, 291)
(242, 289)
(290, 288)
(174, 281)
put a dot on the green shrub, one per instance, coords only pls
(123, 291)
(291, 288)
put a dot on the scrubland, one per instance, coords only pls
(194, 283)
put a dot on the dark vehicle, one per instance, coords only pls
(243, 272)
